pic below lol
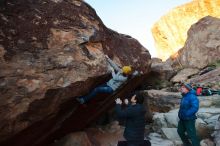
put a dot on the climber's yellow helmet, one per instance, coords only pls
(126, 69)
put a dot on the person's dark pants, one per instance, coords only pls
(189, 127)
(101, 89)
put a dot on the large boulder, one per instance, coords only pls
(74, 139)
(184, 74)
(156, 140)
(162, 101)
(202, 46)
(212, 77)
(50, 52)
(216, 133)
(170, 32)
(165, 123)
(108, 135)
(209, 101)
(163, 70)
(160, 74)
(171, 134)
(207, 142)
(165, 120)
(159, 122)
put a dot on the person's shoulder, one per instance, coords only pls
(141, 106)
(140, 109)
(192, 92)
(193, 95)
(138, 106)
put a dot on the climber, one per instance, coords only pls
(134, 116)
(187, 114)
(113, 84)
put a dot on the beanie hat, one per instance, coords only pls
(188, 86)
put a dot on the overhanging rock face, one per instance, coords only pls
(71, 117)
(50, 52)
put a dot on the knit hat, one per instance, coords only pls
(188, 86)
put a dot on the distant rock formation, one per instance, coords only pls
(170, 32)
(202, 46)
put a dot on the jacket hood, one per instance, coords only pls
(192, 91)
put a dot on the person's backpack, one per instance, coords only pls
(199, 91)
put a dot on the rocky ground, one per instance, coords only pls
(163, 128)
